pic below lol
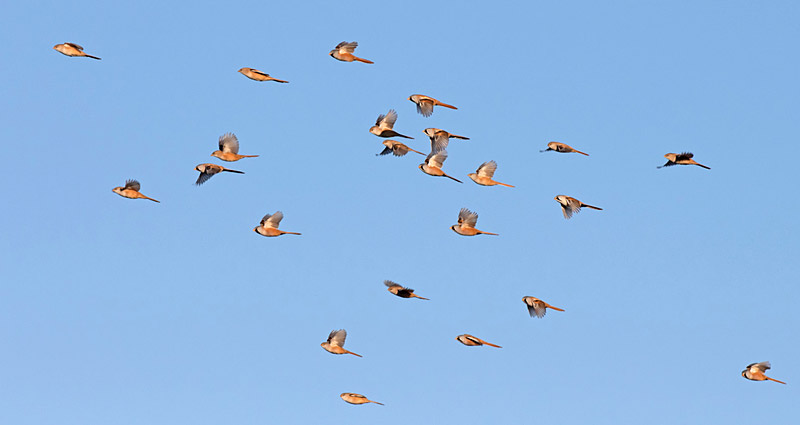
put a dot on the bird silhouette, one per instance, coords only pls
(466, 224)
(131, 190)
(425, 104)
(344, 52)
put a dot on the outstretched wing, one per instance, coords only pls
(436, 159)
(345, 47)
(272, 220)
(684, 156)
(388, 120)
(337, 337)
(77, 46)
(132, 184)
(229, 143)
(487, 169)
(467, 218)
(425, 107)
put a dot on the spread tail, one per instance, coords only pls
(362, 60)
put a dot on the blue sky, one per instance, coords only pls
(114, 311)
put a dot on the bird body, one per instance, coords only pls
(396, 148)
(209, 170)
(131, 191)
(72, 49)
(433, 165)
(257, 75)
(384, 125)
(440, 138)
(354, 398)
(472, 341)
(570, 205)
(684, 158)
(400, 290)
(562, 147)
(229, 149)
(335, 343)
(755, 372)
(269, 226)
(466, 224)
(425, 104)
(483, 176)
(537, 307)
(344, 52)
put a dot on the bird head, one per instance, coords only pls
(671, 156)
(117, 190)
(216, 153)
(473, 176)
(201, 168)
(243, 70)
(552, 146)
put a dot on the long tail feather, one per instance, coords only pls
(771, 379)
(350, 352)
(592, 207)
(453, 178)
(445, 105)
(233, 171)
(582, 153)
(417, 296)
(554, 308)
(362, 60)
(488, 233)
(491, 345)
(376, 402)
(93, 57)
(503, 184)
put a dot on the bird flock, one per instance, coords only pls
(432, 165)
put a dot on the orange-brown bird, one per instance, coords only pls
(562, 147)
(433, 165)
(425, 104)
(684, 158)
(209, 170)
(483, 176)
(400, 290)
(571, 205)
(269, 226)
(440, 138)
(384, 125)
(396, 148)
(229, 149)
(344, 52)
(72, 49)
(755, 372)
(354, 398)
(257, 75)
(335, 343)
(466, 224)
(131, 190)
(537, 307)
(472, 341)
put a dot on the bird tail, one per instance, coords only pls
(487, 233)
(445, 105)
(456, 136)
(371, 400)
(350, 352)
(362, 60)
(402, 135)
(412, 150)
(233, 171)
(93, 57)
(250, 156)
(453, 178)
(491, 345)
(780, 382)
(582, 153)
(417, 296)
(701, 165)
(290, 233)
(592, 207)
(280, 81)
(503, 184)
(147, 197)
(554, 308)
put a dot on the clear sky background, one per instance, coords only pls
(115, 311)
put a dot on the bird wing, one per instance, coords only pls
(759, 367)
(255, 71)
(345, 47)
(439, 140)
(436, 159)
(77, 46)
(487, 169)
(574, 204)
(425, 106)
(337, 337)
(132, 184)
(386, 151)
(229, 143)
(683, 156)
(207, 174)
(536, 308)
(389, 283)
(387, 121)
(668, 164)
(272, 220)
(467, 218)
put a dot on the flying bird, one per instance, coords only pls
(537, 307)
(131, 190)
(72, 49)
(354, 398)
(483, 176)
(335, 343)
(208, 170)
(425, 104)
(396, 148)
(269, 226)
(229, 149)
(571, 205)
(344, 52)
(400, 290)
(466, 224)
(440, 138)
(433, 165)
(755, 372)
(384, 125)
(684, 158)
(562, 147)
(472, 341)
(257, 75)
